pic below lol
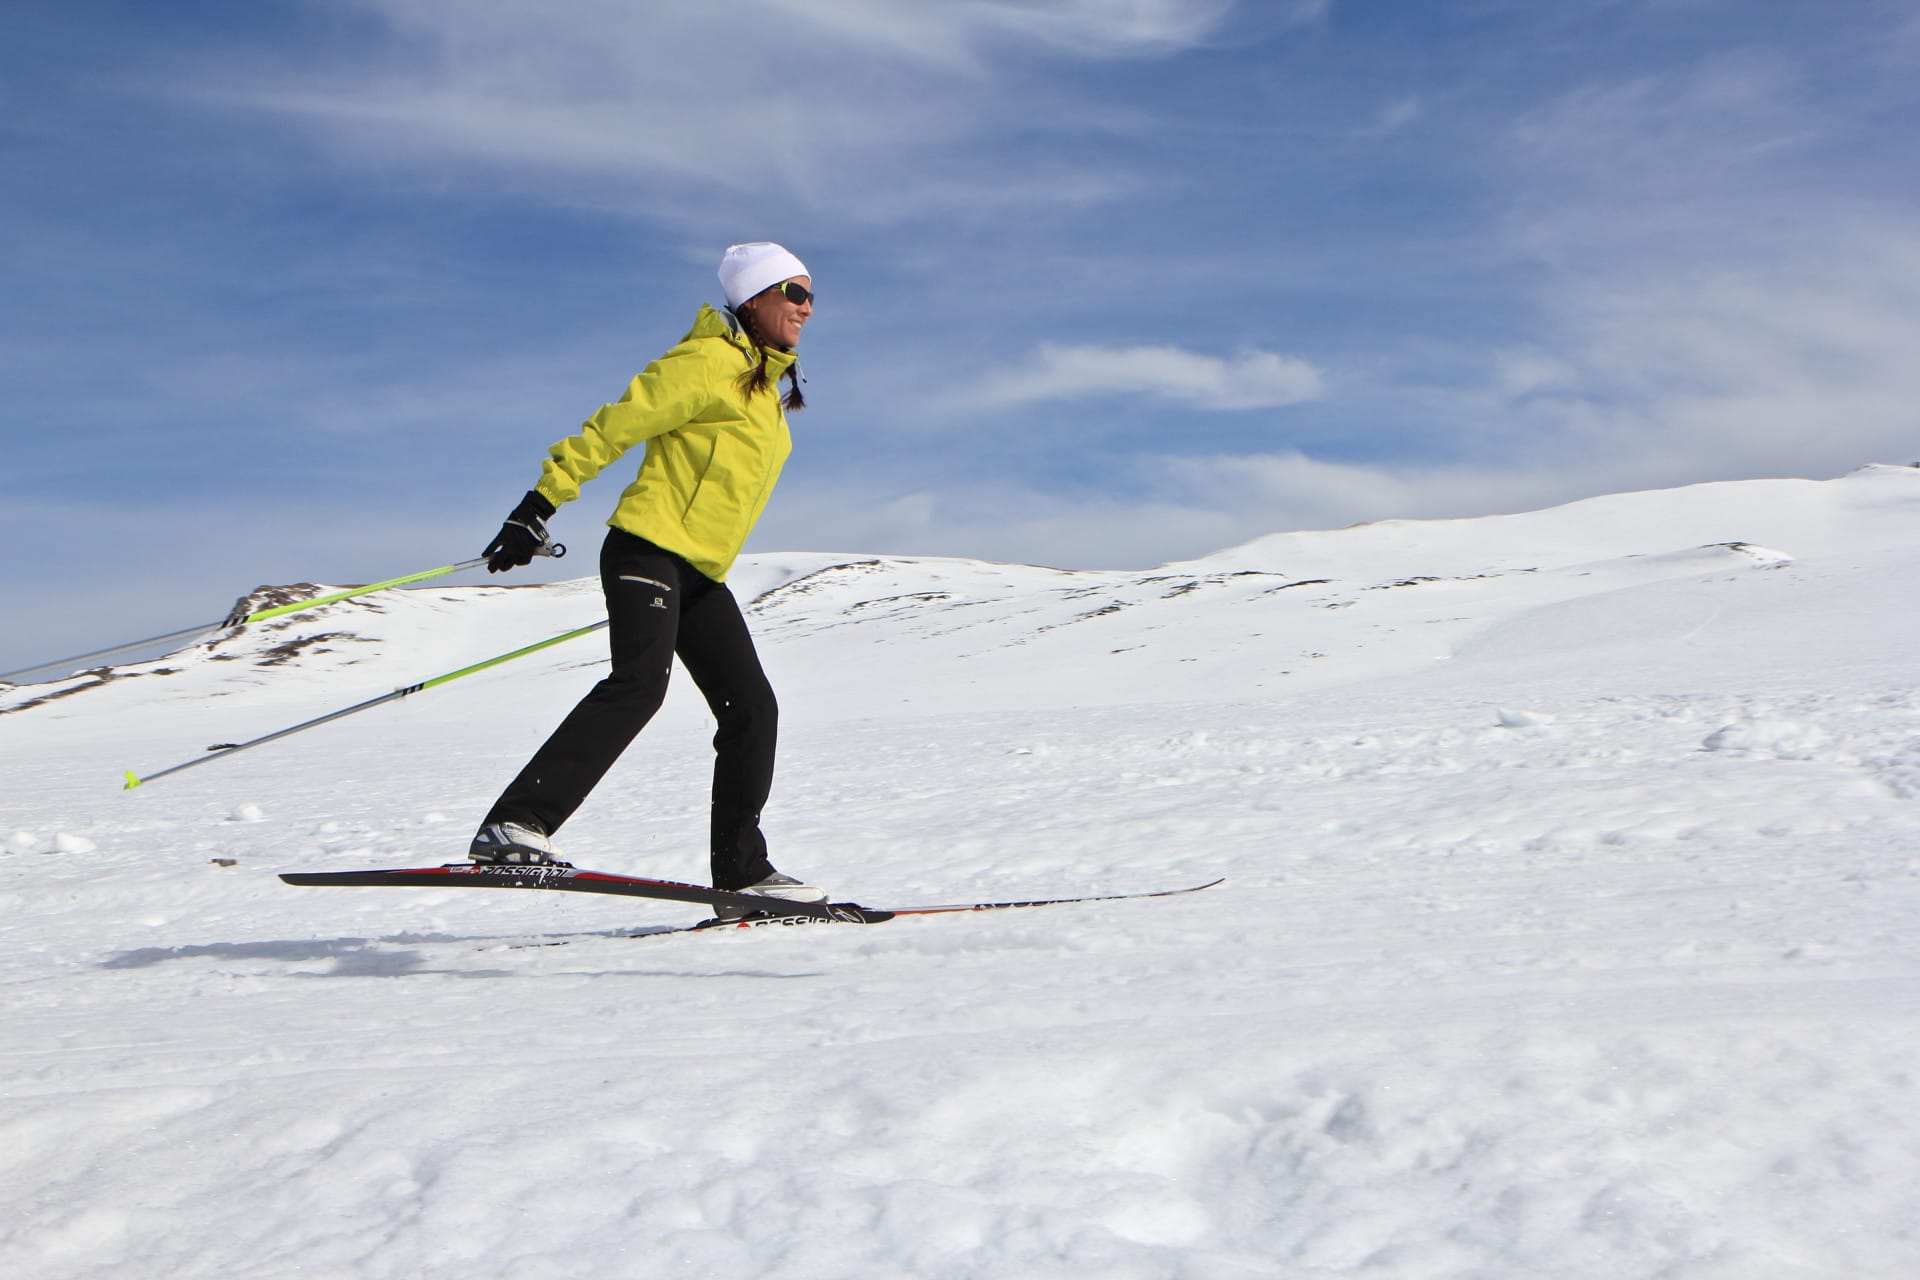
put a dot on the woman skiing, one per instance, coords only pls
(713, 420)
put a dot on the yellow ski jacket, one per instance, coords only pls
(713, 454)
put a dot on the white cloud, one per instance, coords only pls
(606, 104)
(1287, 490)
(1249, 380)
(999, 520)
(960, 28)
(1527, 371)
(1670, 366)
(1715, 300)
(1109, 27)
(1398, 114)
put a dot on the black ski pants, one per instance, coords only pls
(659, 606)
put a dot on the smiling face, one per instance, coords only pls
(776, 317)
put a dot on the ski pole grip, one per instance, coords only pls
(554, 549)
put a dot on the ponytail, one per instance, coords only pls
(757, 379)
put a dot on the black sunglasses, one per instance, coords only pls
(798, 294)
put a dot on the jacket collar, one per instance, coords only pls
(723, 323)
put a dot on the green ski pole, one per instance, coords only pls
(237, 619)
(232, 748)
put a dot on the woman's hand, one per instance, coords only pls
(522, 536)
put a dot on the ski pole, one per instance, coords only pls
(225, 749)
(237, 619)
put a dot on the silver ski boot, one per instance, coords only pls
(511, 842)
(783, 887)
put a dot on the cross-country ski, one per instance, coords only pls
(753, 910)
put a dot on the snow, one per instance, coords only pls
(1573, 876)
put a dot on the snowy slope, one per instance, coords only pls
(1573, 869)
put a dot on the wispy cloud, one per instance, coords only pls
(937, 33)
(1249, 380)
(1004, 519)
(1398, 114)
(633, 107)
(1711, 301)
(1256, 494)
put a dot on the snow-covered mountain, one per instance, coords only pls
(1573, 875)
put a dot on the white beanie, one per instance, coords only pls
(748, 268)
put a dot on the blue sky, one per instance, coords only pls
(293, 290)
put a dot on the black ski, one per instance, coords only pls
(567, 879)
(761, 910)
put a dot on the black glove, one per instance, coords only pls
(522, 536)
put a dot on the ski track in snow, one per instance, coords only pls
(1573, 875)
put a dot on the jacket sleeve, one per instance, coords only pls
(666, 395)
